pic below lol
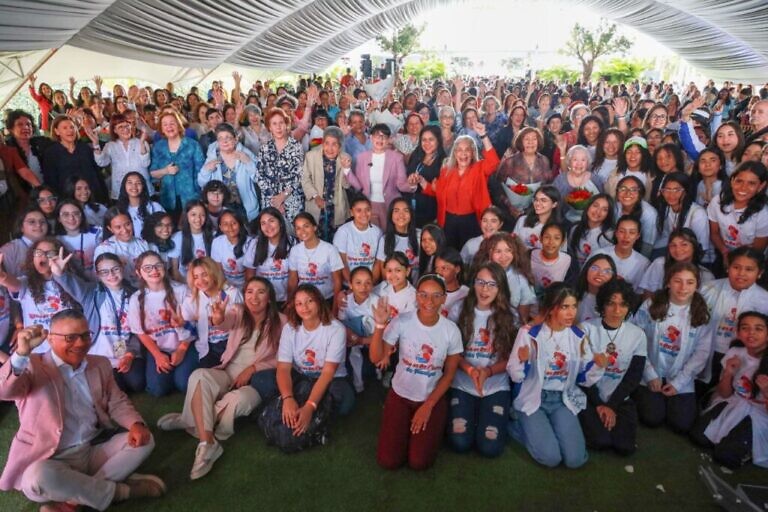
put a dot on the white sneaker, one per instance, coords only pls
(205, 455)
(171, 421)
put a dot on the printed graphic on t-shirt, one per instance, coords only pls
(727, 326)
(422, 365)
(670, 341)
(533, 240)
(481, 347)
(309, 365)
(393, 312)
(731, 236)
(613, 370)
(199, 253)
(557, 367)
(743, 387)
(586, 249)
(363, 258)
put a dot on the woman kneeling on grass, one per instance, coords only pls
(415, 412)
(218, 395)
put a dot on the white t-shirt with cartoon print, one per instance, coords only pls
(308, 351)
(275, 271)
(316, 266)
(734, 234)
(223, 252)
(360, 247)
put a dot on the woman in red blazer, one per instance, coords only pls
(462, 188)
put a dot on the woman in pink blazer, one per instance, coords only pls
(380, 175)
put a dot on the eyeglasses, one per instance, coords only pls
(659, 116)
(432, 296)
(71, 215)
(48, 254)
(629, 190)
(49, 199)
(86, 336)
(482, 283)
(604, 271)
(109, 271)
(33, 222)
(149, 268)
(672, 190)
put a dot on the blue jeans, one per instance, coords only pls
(160, 384)
(340, 390)
(552, 434)
(265, 382)
(135, 379)
(478, 421)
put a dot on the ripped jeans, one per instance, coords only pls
(478, 421)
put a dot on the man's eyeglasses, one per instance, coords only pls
(86, 336)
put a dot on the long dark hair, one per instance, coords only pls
(112, 214)
(436, 232)
(581, 139)
(127, 287)
(662, 207)
(324, 311)
(757, 203)
(187, 243)
(242, 232)
(36, 282)
(582, 286)
(689, 236)
(646, 162)
(59, 229)
(582, 227)
(390, 234)
(418, 154)
(170, 298)
(501, 323)
(70, 184)
(148, 232)
(124, 202)
(600, 151)
(637, 208)
(272, 326)
(659, 305)
(721, 174)
(262, 242)
(531, 219)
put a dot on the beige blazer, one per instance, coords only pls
(313, 183)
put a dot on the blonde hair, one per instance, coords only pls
(214, 272)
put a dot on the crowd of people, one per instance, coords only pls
(550, 263)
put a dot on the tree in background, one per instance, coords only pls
(589, 45)
(426, 68)
(403, 42)
(558, 73)
(617, 71)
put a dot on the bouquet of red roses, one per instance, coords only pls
(578, 198)
(521, 189)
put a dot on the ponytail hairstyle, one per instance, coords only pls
(757, 203)
(659, 306)
(242, 231)
(187, 244)
(170, 298)
(390, 235)
(501, 323)
(262, 242)
(124, 202)
(521, 261)
(582, 227)
(148, 232)
(531, 219)
(762, 367)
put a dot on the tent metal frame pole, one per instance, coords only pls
(25, 76)
(206, 75)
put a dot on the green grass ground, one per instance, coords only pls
(344, 476)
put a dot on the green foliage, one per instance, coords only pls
(621, 70)
(403, 42)
(558, 73)
(589, 45)
(430, 67)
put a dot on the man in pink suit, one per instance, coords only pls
(380, 175)
(67, 402)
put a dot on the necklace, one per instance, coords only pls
(611, 347)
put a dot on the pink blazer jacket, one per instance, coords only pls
(395, 179)
(39, 396)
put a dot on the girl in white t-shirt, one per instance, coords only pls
(401, 235)
(193, 240)
(629, 202)
(595, 229)
(431, 242)
(549, 264)
(677, 210)
(313, 261)
(266, 254)
(675, 320)
(416, 408)
(551, 360)
(450, 267)
(357, 240)
(154, 315)
(630, 264)
(76, 235)
(39, 295)
(481, 387)
(122, 242)
(738, 216)
(105, 305)
(737, 419)
(708, 175)
(30, 226)
(509, 252)
(134, 198)
(157, 232)
(490, 223)
(400, 294)
(310, 361)
(77, 188)
(355, 311)
(681, 246)
(227, 249)
(597, 271)
(208, 290)
(545, 208)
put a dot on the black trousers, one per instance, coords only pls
(655, 409)
(460, 228)
(621, 438)
(735, 448)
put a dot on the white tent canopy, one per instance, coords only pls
(175, 40)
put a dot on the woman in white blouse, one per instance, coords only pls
(124, 152)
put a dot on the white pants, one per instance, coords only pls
(220, 404)
(84, 474)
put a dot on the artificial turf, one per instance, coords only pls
(343, 475)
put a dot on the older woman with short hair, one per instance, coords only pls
(578, 162)
(324, 182)
(124, 152)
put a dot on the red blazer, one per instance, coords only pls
(39, 396)
(474, 185)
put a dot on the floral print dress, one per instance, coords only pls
(281, 170)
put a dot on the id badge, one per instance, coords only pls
(119, 347)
